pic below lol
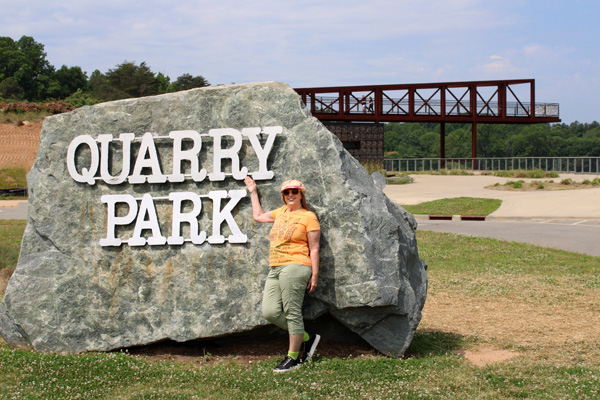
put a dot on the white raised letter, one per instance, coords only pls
(262, 153)
(147, 147)
(105, 140)
(225, 215)
(189, 217)
(191, 155)
(113, 220)
(232, 153)
(147, 208)
(87, 174)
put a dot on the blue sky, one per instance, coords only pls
(310, 43)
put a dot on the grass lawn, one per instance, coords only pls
(539, 304)
(456, 206)
(11, 234)
(12, 178)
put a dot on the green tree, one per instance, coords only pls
(187, 81)
(130, 80)
(99, 86)
(164, 83)
(70, 80)
(25, 61)
(458, 143)
(10, 89)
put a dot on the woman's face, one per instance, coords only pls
(293, 200)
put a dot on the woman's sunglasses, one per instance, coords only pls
(287, 191)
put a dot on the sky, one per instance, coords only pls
(310, 43)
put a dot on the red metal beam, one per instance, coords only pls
(413, 104)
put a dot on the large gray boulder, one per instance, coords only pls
(94, 275)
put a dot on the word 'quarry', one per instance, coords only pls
(144, 216)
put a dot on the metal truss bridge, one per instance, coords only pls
(490, 102)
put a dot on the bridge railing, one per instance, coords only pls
(582, 165)
(393, 106)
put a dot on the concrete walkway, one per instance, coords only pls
(13, 209)
(558, 204)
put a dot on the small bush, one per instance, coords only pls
(23, 107)
(535, 174)
(538, 185)
(372, 166)
(586, 182)
(398, 180)
(58, 107)
(81, 98)
(516, 185)
(567, 181)
(460, 172)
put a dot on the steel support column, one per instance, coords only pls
(442, 145)
(474, 141)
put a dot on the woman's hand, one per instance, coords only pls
(250, 184)
(312, 284)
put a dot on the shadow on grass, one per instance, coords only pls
(427, 343)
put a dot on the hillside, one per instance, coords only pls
(19, 144)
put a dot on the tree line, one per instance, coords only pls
(26, 74)
(422, 140)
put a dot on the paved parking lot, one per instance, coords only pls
(580, 236)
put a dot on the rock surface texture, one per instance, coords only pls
(70, 294)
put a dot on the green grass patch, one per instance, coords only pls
(456, 206)
(462, 257)
(30, 375)
(11, 234)
(16, 118)
(13, 178)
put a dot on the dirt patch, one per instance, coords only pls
(19, 144)
(245, 352)
(484, 355)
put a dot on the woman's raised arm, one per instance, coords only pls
(257, 212)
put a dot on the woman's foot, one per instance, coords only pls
(309, 347)
(287, 364)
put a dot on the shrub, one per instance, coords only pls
(372, 166)
(535, 174)
(566, 181)
(503, 174)
(516, 185)
(81, 98)
(58, 107)
(22, 107)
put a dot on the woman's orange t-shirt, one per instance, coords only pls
(289, 239)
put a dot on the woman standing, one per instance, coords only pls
(294, 262)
